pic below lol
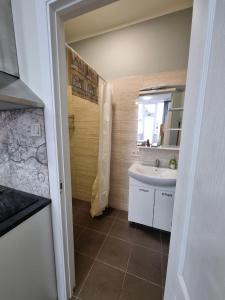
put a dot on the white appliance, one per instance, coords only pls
(27, 260)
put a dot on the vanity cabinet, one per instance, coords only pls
(163, 209)
(141, 204)
(150, 205)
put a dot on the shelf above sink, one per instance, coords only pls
(170, 148)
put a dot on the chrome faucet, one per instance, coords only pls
(157, 163)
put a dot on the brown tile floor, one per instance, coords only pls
(115, 260)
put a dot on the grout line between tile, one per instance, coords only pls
(96, 259)
(84, 254)
(107, 264)
(144, 279)
(134, 244)
(78, 292)
(86, 277)
(128, 261)
(83, 229)
(107, 235)
(119, 269)
(97, 231)
(120, 239)
(120, 296)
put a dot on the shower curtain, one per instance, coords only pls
(100, 189)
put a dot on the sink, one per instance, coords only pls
(152, 175)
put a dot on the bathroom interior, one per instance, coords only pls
(126, 86)
(122, 90)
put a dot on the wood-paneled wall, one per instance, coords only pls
(84, 141)
(124, 131)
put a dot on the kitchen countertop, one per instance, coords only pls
(17, 206)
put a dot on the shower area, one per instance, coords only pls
(90, 123)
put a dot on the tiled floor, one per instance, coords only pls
(115, 260)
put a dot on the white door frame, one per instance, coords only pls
(199, 57)
(51, 15)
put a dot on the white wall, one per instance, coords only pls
(28, 52)
(157, 45)
(196, 267)
(205, 249)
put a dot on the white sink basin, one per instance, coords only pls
(153, 175)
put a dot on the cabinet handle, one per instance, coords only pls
(143, 190)
(166, 194)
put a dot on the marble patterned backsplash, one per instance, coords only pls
(23, 154)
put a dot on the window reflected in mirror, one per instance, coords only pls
(160, 118)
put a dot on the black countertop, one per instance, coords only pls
(17, 206)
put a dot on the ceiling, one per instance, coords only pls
(119, 14)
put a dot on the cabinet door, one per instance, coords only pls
(163, 210)
(141, 202)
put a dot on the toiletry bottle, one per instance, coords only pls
(173, 164)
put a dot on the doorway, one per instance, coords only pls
(106, 246)
(160, 237)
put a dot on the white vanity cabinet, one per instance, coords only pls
(163, 209)
(141, 204)
(150, 205)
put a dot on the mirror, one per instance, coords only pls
(160, 115)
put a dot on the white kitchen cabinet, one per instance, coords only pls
(150, 205)
(163, 209)
(27, 269)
